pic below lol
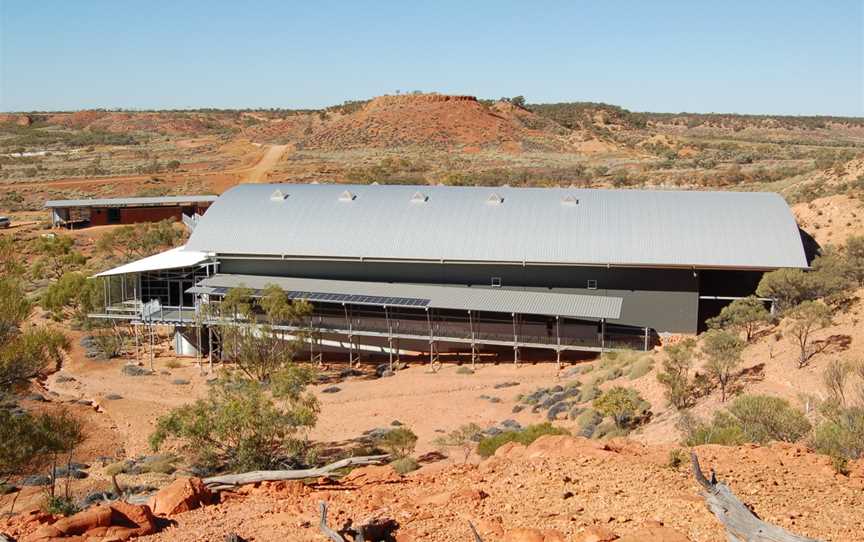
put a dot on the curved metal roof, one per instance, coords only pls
(503, 224)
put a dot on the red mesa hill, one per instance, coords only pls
(428, 120)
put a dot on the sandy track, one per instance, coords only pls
(271, 157)
(253, 174)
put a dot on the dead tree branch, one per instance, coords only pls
(741, 524)
(328, 532)
(475, 533)
(229, 481)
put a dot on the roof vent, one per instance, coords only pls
(569, 199)
(419, 197)
(494, 199)
(278, 195)
(347, 196)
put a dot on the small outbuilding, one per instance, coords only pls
(100, 212)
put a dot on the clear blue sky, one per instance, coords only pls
(758, 56)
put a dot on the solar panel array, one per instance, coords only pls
(326, 297)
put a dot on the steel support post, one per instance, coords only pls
(558, 342)
(603, 334)
(515, 340)
(473, 340)
(389, 337)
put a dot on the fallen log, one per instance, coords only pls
(229, 481)
(741, 524)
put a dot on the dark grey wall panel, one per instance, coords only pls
(678, 280)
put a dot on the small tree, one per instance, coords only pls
(56, 255)
(518, 101)
(747, 315)
(675, 375)
(787, 287)
(806, 319)
(619, 403)
(399, 442)
(139, 240)
(261, 349)
(62, 433)
(72, 296)
(20, 445)
(723, 350)
(835, 377)
(241, 426)
(23, 354)
(465, 438)
(28, 355)
(855, 257)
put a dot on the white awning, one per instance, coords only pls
(170, 259)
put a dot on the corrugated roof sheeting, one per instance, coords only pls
(174, 258)
(530, 225)
(127, 202)
(440, 297)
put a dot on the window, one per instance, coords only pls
(496, 282)
(592, 284)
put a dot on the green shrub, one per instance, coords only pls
(62, 506)
(623, 405)
(243, 424)
(399, 442)
(587, 422)
(722, 429)
(751, 418)
(677, 457)
(640, 368)
(118, 467)
(404, 465)
(589, 393)
(464, 370)
(841, 436)
(608, 429)
(487, 446)
(162, 465)
(764, 418)
(173, 364)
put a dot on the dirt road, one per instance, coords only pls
(258, 173)
(220, 179)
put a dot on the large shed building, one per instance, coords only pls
(560, 268)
